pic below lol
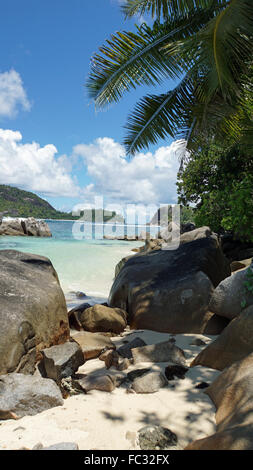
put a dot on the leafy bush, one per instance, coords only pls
(220, 183)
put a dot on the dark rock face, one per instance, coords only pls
(62, 360)
(22, 395)
(236, 250)
(175, 371)
(75, 314)
(126, 349)
(33, 312)
(156, 438)
(169, 290)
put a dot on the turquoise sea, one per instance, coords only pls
(83, 264)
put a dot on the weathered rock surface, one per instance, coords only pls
(28, 227)
(233, 344)
(74, 316)
(126, 349)
(100, 318)
(169, 290)
(231, 293)
(62, 360)
(232, 394)
(104, 383)
(178, 235)
(150, 382)
(156, 438)
(27, 395)
(110, 358)
(159, 352)
(33, 312)
(92, 344)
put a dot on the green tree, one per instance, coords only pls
(205, 45)
(219, 183)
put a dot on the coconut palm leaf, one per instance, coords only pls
(166, 8)
(208, 42)
(158, 116)
(131, 59)
(224, 46)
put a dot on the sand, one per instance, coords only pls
(101, 420)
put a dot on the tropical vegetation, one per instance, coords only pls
(218, 182)
(15, 202)
(205, 46)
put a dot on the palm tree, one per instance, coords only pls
(205, 45)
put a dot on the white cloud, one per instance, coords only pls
(35, 168)
(12, 94)
(145, 179)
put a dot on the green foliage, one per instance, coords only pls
(206, 45)
(220, 184)
(16, 202)
(186, 215)
(240, 209)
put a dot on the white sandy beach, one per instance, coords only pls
(109, 421)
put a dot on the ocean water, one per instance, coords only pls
(82, 264)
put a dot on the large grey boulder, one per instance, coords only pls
(232, 295)
(22, 395)
(33, 312)
(233, 344)
(170, 290)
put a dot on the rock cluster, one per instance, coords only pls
(186, 290)
(25, 227)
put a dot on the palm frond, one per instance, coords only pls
(158, 116)
(225, 45)
(131, 59)
(166, 8)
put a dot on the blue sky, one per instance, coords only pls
(52, 141)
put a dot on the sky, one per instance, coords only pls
(52, 140)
